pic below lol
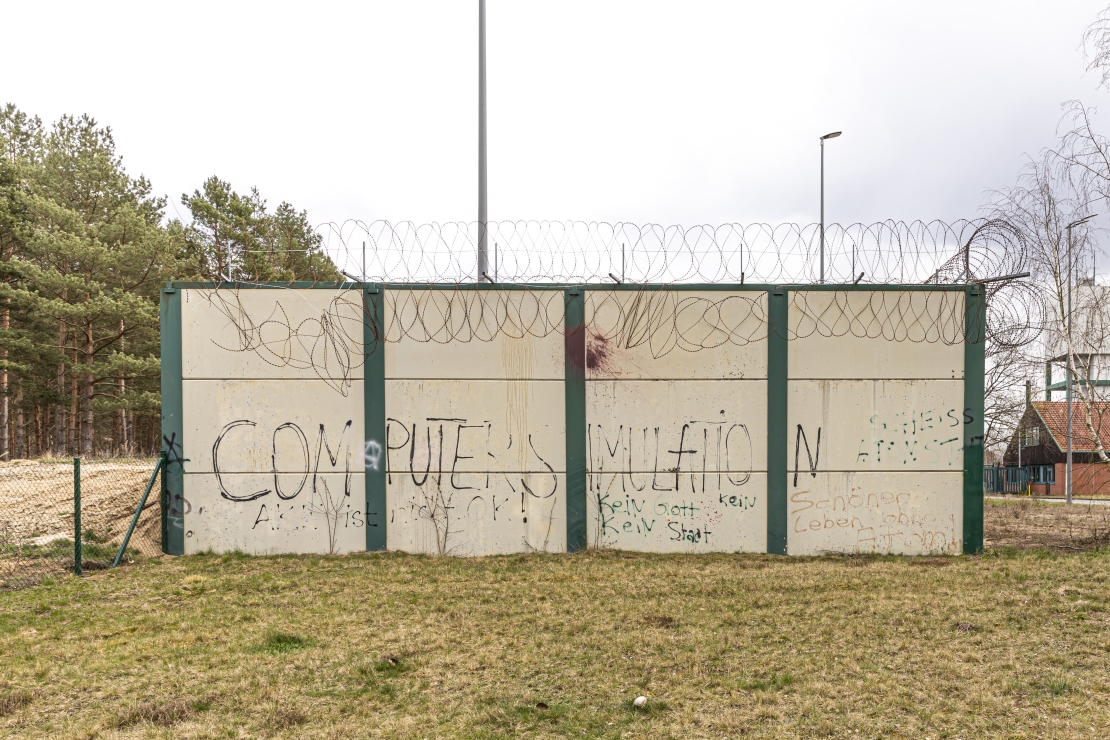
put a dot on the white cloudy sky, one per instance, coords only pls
(668, 112)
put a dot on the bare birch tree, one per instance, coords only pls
(1052, 193)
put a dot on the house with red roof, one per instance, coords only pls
(1039, 445)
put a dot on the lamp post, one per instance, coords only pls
(1067, 371)
(483, 247)
(833, 135)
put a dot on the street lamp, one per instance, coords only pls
(1067, 364)
(483, 245)
(833, 135)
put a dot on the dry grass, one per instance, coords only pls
(1012, 644)
(1024, 523)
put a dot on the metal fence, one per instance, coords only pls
(64, 517)
(1006, 480)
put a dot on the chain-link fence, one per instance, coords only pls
(43, 503)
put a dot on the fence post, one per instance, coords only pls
(164, 501)
(139, 508)
(77, 516)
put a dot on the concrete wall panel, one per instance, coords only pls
(641, 425)
(673, 334)
(272, 333)
(477, 514)
(726, 513)
(845, 425)
(263, 425)
(888, 513)
(878, 334)
(476, 425)
(325, 516)
(436, 334)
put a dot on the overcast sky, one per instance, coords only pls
(666, 112)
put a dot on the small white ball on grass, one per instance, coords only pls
(640, 701)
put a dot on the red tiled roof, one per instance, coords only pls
(1055, 417)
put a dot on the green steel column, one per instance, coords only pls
(373, 395)
(778, 312)
(575, 393)
(77, 516)
(172, 423)
(974, 391)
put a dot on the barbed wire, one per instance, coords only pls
(428, 265)
(589, 252)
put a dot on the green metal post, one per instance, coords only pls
(173, 428)
(974, 391)
(139, 508)
(575, 395)
(373, 398)
(164, 505)
(77, 516)
(778, 310)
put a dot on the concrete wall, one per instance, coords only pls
(475, 427)
(676, 412)
(475, 406)
(272, 421)
(874, 430)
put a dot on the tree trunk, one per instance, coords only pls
(121, 415)
(5, 323)
(71, 443)
(38, 432)
(60, 445)
(87, 394)
(20, 429)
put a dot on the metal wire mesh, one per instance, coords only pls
(595, 251)
(37, 517)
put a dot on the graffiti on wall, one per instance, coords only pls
(679, 485)
(307, 489)
(469, 481)
(871, 508)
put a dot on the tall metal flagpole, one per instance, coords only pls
(483, 248)
(833, 135)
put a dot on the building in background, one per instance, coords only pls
(1037, 452)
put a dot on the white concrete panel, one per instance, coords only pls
(718, 518)
(844, 425)
(876, 334)
(642, 425)
(476, 425)
(477, 514)
(888, 513)
(674, 334)
(325, 516)
(272, 333)
(509, 334)
(266, 425)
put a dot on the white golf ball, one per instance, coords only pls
(640, 701)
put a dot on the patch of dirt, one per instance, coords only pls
(1024, 524)
(36, 515)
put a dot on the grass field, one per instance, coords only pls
(1015, 643)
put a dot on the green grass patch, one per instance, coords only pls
(279, 643)
(559, 646)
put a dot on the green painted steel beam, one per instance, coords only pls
(1062, 385)
(375, 458)
(974, 392)
(734, 287)
(575, 398)
(173, 428)
(778, 312)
